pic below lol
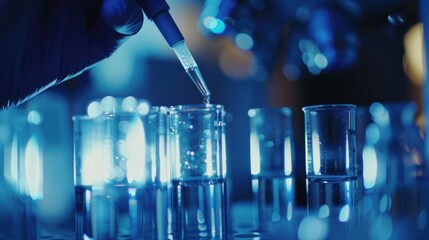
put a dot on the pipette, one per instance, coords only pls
(157, 11)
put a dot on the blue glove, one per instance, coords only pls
(46, 42)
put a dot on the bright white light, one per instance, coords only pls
(108, 104)
(33, 169)
(312, 228)
(255, 157)
(223, 154)
(97, 157)
(255, 185)
(136, 151)
(289, 211)
(344, 213)
(209, 22)
(289, 188)
(209, 159)
(251, 113)
(94, 109)
(34, 117)
(324, 211)
(152, 161)
(92, 160)
(14, 155)
(215, 25)
(143, 107)
(176, 158)
(132, 192)
(369, 167)
(316, 151)
(129, 103)
(163, 172)
(288, 156)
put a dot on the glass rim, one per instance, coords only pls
(254, 111)
(152, 110)
(188, 108)
(328, 107)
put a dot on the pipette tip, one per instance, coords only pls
(196, 76)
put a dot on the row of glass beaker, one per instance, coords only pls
(387, 160)
(146, 172)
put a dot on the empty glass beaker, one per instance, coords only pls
(330, 142)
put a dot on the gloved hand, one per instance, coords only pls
(43, 43)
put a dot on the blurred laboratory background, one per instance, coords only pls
(252, 53)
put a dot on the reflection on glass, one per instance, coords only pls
(333, 207)
(120, 170)
(395, 174)
(197, 144)
(272, 160)
(21, 173)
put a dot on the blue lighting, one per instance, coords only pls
(312, 228)
(324, 211)
(344, 213)
(215, 25)
(372, 133)
(382, 228)
(34, 117)
(251, 113)
(244, 41)
(291, 71)
(385, 203)
(320, 60)
(379, 113)
(33, 169)
(422, 219)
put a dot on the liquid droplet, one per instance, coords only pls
(206, 100)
